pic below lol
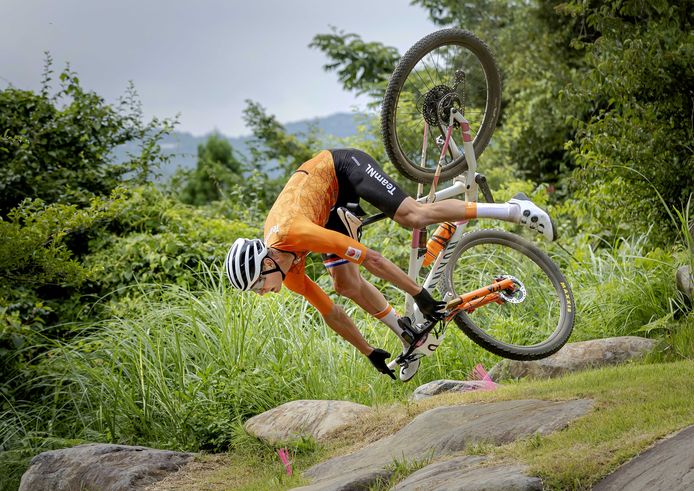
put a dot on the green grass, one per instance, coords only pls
(634, 406)
(182, 369)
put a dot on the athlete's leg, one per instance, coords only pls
(412, 214)
(520, 209)
(360, 172)
(349, 283)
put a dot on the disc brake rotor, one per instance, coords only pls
(517, 295)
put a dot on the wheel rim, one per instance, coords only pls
(434, 82)
(527, 324)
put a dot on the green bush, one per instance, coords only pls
(58, 147)
(634, 147)
(62, 264)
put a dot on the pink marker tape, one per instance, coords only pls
(481, 374)
(284, 458)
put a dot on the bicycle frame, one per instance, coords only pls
(465, 183)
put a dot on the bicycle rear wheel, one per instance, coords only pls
(448, 68)
(538, 316)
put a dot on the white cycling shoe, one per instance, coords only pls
(534, 217)
(406, 373)
(425, 347)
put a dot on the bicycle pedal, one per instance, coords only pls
(404, 361)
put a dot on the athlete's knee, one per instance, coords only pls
(412, 214)
(347, 285)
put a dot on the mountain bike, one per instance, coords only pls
(502, 291)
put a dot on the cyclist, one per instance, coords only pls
(306, 218)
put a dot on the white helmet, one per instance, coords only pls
(244, 262)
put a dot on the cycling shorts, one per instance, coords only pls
(360, 176)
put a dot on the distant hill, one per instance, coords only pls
(184, 146)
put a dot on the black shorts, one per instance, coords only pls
(360, 177)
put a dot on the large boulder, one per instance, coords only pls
(469, 473)
(441, 432)
(576, 356)
(444, 386)
(667, 465)
(100, 466)
(298, 419)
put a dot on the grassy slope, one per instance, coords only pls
(636, 404)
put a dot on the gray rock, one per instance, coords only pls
(685, 284)
(468, 474)
(576, 356)
(442, 386)
(100, 467)
(297, 419)
(668, 465)
(443, 431)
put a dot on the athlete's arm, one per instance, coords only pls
(333, 315)
(379, 266)
(340, 322)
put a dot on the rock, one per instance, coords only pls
(442, 386)
(468, 474)
(444, 431)
(296, 419)
(100, 466)
(576, 356)
(685, 284)
(668, 465)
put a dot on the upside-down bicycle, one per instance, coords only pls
(502, 291)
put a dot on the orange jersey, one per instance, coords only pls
(296, 224)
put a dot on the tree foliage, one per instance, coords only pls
(271, 142)
(58, 147)
(78, 232)
(361, 66)
(218, 171)
(634, 146)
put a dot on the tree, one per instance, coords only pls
(272, 143)
(634, 145)
(217, 171)
(58, 148)
(360, 66)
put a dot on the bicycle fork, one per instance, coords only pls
(480, 297)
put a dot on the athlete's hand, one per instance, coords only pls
(432, 309)
(378, 360)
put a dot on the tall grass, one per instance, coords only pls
(192, 364)
(623, 288)
(183, 369)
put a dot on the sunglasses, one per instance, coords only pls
(260, 282)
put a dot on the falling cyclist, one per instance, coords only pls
(309, 216)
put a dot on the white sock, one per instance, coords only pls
(500, 211)
(390, 318)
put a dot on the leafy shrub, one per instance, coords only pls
(58, 147)
(634, 148)
(59, 262)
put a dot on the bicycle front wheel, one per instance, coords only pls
(448, 68)
(530, 321)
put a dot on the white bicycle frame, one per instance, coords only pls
(464, 183)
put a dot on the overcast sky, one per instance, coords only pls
(202, 58)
